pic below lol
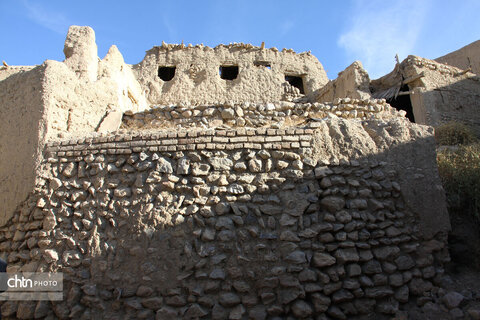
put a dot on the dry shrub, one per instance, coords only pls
(459, 169)
(453, 133)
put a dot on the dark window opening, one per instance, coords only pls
(263, 64)
(295, 81)
(228, 72)
(402, 102)
(166, 73)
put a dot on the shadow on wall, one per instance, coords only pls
(459, 101)
(221, 234)
(431, 93)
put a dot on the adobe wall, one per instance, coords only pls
(444, 93)
(197, 79)
(80, 91)
(22, 130)
(75, 105)
(353, 82)
(85, 94)
(83, 90)
(464, 58)
(7, 71)
(346, 219)
(56, 98)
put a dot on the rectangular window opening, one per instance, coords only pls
(166, 73)
(265, 64)
(296, 82)
(228, 72)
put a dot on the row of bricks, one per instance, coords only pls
(182, 141)
(186, 134)
(60, 152)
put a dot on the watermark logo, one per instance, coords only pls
(31, 286)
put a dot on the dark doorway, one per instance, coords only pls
(228, 72)
(295, 81)
(166, 73)
(402, 102)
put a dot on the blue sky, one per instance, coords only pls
(337, 32)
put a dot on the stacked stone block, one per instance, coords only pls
(226, 224)
(283, 114)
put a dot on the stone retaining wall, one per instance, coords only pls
(230, 224)
(282, 114)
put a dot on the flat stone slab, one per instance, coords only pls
(111, 122)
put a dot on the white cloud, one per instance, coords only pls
(172, 34)
(54, 21)
(380, 29)
(286, 26)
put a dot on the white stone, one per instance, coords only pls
(50, 255)
(111, 122)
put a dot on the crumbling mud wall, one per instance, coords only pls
(74, 105)
(353, 82)
(83, 90)
(7, 71)
(443, 94)
(438, 93)
(38, 103)
(22, 130)
(79, 92)
(256, 74)
(345, 219)
(86, 94)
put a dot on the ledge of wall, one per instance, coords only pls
(282, 114)
(184, 140)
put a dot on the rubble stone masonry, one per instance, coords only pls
(219, 224)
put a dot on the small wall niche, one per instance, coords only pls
(295, 81)
(166, 73)
(228, 72)
(264, 64)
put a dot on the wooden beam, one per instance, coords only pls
(413, 78)
(463, 72)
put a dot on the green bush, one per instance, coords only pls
(459, 169)
(453, 133)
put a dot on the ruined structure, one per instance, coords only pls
(432, 93)
(194, 75)
(353, 82)
(216, 183)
